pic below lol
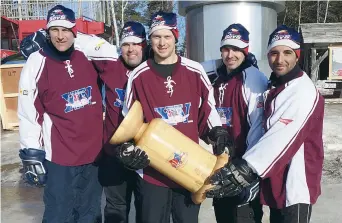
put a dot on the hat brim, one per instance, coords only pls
(62, 23)
(131, 39)
(159, 27)
(234, 42)
(284, 42)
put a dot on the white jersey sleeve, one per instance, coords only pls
(30, 108)
(287, 127)
(255, 84)
(95, 48)
(210, 68)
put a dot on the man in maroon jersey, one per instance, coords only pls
(178, 91)
(289, 156)
(238, 88)
(60, 113)
(116, 171)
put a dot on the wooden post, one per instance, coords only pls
(314, 72)
(330, 63)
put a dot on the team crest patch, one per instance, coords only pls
(77, 99)
(178, 160)
(175, 114)
(225, 115)
(121, 97)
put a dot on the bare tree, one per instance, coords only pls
(326, 11)
(117, 40)
(318, 6)
(300, 13)
(285, 16)
(123, 7)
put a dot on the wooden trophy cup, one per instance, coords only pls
(171, 153)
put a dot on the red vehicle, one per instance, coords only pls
(13, 31)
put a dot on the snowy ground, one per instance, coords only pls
(23, 203)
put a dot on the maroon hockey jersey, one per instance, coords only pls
(114, 74)
(239, 101)
(184, 100)
(60, 108)
(289, 156)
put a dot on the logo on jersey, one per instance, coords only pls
(99, 44)
(77, 99)
(23, 92)
(69, 68)
(260, 103)
(169, 85)
(175, 114)
(285, 121)
(225, 115)
(178, 159)
(121, 97)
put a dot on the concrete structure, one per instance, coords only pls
(206, 20)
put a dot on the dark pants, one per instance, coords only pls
(72, 194)
(118, 183)
(228, 210)
(156, 204)
(297, 213)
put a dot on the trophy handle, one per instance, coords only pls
(199, 196)
(131, 127)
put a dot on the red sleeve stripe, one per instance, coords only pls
(35, 93)
(40, 70)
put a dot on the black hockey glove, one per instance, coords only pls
(221, 141)
(32, 43)
(231, 179)
(132, 157)
(249, 193)
(33, 162)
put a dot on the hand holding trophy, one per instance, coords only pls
(171, 152)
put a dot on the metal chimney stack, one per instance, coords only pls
(206, 20)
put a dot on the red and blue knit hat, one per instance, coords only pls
(61, 16)
(285, 36)
(164, 20)
(236, 35)
(133, 32)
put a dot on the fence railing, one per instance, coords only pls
(34, 9)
